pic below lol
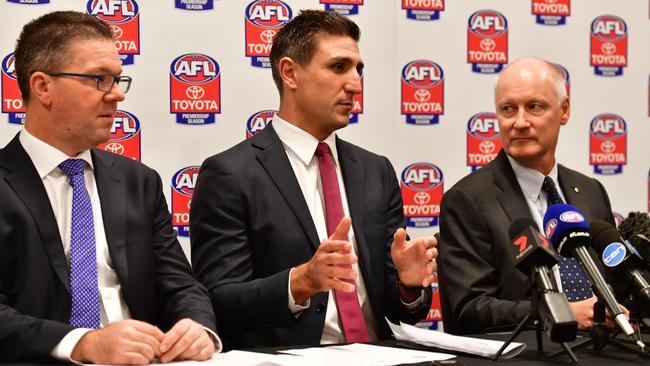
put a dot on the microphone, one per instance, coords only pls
(636, 229)
(620, 258)
(533, 257)
(568, 231)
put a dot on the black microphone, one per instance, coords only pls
(534, 256)
(568, 231)
(621, 260)
(636, 229)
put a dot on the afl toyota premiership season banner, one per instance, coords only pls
(202, 83)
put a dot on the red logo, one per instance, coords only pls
(183, 183)
(357, 105)
(12, 101)
(195, 83)
(125, 136)
(422, 189)
(258, 121)
(423, 92)
(551, 225)
(263, 19)
(423, 9)
(608, 144)
(483, 139)
(123, 16)
(608, 45)
(551, 12)
(487, 41)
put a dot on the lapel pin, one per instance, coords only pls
(576, 189)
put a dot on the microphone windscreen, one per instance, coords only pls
(520, 225)
(602, 235)
(561, 218)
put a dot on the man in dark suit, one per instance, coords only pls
(480, 287)
(297, 234)
(90, 270)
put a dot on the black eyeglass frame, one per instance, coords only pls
(98, 77)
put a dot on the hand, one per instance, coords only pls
(414, 259)
(187, 340)
(584, 312)
(124, 342)
(328, 269)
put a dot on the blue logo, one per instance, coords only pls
(614, 254)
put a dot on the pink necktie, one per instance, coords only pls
(347, 303)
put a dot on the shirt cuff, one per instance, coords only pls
(295, 309)
(215, 338)
(63, 350)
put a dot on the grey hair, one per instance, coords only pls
(559, 83)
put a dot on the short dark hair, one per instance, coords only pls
(296, 39)
(43, 42)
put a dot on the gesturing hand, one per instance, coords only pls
(414, 259)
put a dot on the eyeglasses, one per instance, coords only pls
(104, 81)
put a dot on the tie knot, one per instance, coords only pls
(73, 167)
(322, 149)
(553, 196)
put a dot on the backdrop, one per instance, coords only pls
(202, 84)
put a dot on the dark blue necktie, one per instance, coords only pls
(575, 284)
(83, 257)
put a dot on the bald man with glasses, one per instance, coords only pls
(90, 268)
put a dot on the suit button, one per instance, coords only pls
(320, 307)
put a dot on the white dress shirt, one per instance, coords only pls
(530, 181)
(300, 147)
(57, 185)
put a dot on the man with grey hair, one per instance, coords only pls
(480, 286)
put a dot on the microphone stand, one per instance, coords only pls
(600, 335)
(533, 320)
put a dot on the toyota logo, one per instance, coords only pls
(422, 95)
(488, 44)
(608, 146)
(267, 35)
(421, 198)
(115, 148)
(486, 147)
(608, 48)
(195, 92)
(117, 31)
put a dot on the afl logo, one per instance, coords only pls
(551, 225)
(258, 121)
(113, 11)
(608, 127)
(487, 23)
(422, 74)
(8, 66)
(125, 126)
(422, 176)
(614, 254)
(268, 13)
(608, 28)
(571, 217)
(184, 180)
(484, 126)
(195, 68)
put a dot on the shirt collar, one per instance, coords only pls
(301, 142)
(46, 157)
(531, 180)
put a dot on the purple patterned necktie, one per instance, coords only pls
(575, 284)
(83, 257)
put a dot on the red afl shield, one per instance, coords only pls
(263, 19)
(183, 183)
(123, 16)
(125, 136)
(422, 188)
(608, 45)
(483, 139)
(487, 41)
(608, 143)
(423, 92)
(12, 101)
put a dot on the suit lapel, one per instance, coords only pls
(111, 188)
(28, 186)
(353, 179)
(509, 193)
(275, 162)
(572, 192)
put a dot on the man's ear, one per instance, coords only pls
(287, 68)
(40, 88)
(566, 111)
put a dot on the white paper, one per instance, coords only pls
(474, 346)
(359, 354)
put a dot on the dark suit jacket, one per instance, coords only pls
(480, 287)
(250, 225)
(156, 279)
